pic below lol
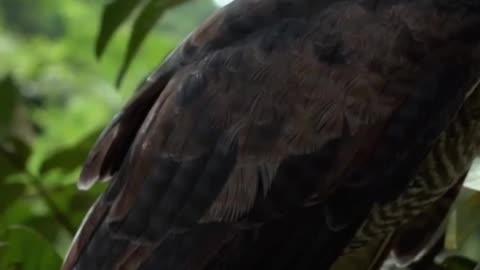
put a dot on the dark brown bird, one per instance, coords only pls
(414, 223)
(272, 134)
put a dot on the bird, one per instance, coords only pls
(414, 224)
(271, 137)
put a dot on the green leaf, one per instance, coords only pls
(468, 215)
(25, 249)
(21, 150)
(458, 263)
(471, 247)
(9, 193)
(114, 14)
(70, 158)
(14, 154)
(8, 102)
(6, 167)
(144, 23)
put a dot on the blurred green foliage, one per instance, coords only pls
(55, 98)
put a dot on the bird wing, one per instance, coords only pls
(418, 224)
(233, 24)
(454, 154)
(270, 106)
(409, 243)
(430, 229)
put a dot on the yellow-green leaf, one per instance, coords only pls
(23, 248)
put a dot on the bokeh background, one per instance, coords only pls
(61, 64)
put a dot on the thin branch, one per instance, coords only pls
(59, 216)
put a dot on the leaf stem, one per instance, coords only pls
(59, 216)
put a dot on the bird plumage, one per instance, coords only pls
(407, 227)
(266, 138)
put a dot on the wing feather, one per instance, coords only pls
(249, 121)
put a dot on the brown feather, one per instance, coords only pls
(272, 108)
